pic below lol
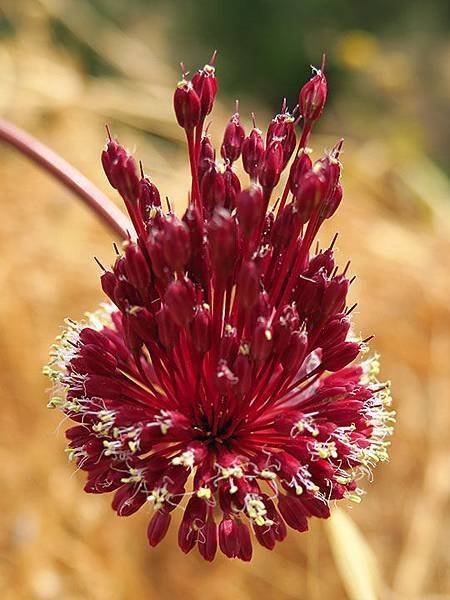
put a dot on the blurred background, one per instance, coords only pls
(66, 68)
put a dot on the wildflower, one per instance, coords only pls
(219, 377)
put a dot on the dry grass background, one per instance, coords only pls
(57, 542)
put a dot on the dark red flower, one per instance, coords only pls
(220, 375)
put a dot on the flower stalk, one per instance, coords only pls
(68, 176)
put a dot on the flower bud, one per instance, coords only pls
(155, 251)
(309, 295)
(250, 208)
(285, 324)
(282, 128)
(148, 197)
(213, 188)
(143, 323)
(205, 84)
(253, 153)
(232, 188)
(295, 352)
(272, 165)
(201, 330)
(207, 156)
(125, 295)
(136, 266)
(301, 165)
(329, 169)
(285, 226)
(222, 238)
(195, 225)
(310, 195)
(187, 105)
(232, 140)
(332, 203)
(120, 169)
(176, 243)
(108, 282)
(334, 296)
(167, 328)
(338, 357)
(312, 97)
(324, 260)
(179, 300)
(334, 332)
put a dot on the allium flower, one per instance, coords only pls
(220, 377)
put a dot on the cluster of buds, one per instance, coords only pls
(219, 376)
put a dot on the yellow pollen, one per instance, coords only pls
(204, 492)
(266, 474)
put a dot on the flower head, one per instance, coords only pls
(220, 378)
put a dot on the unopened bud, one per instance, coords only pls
(295, 352)
(120, 168)
(179, 300)
(155, 251)
(176, 243)
(338, 357)
(333, 202)
(207, 156)
(335, 295)
(250, 208)
(232, 188)
(205, 84)
(301, 165)
(334, 332)
(253, 153)
(136, 266)
(213, 188)
(222, 238)
(310, 194)
(272, 165)
(232, 139)
(283, 327)
(167, 328)
(148, 197)
(201, 330)
(282, 128)
(284, 226)
(187, 105)
(312, 97)
(108, 282)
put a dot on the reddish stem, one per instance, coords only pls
(195, 192)
(72, 179)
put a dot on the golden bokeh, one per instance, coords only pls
(56, 542)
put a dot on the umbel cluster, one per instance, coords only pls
(219, 378)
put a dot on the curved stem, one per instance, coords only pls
(72, 179)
